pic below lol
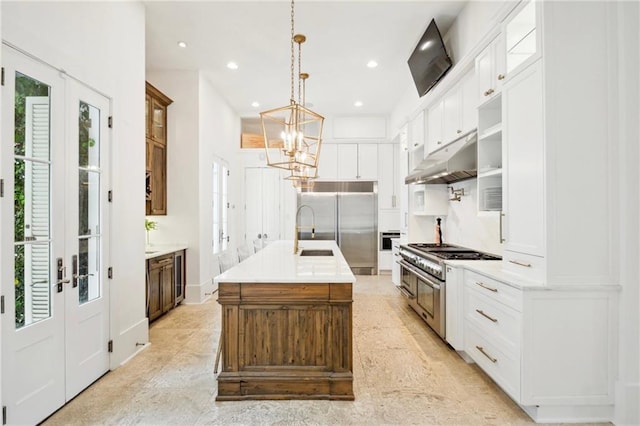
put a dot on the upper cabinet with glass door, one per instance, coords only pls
(522, 39)
(156, 149)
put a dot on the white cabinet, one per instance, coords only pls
(435, 138)
(356, 161)
(516, 338)
(328, 163)
(262, 203)
(454, 115)
(404, 189)
(388, 176)
(454, 307)
(522, 41)
(347, 161)
(524, 201)
(367, 161)
(395, 258)
(490, 69)
(490, 156)
(430, 200)
(416, 131)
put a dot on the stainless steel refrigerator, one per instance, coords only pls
(346, 212)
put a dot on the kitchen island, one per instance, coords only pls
(287, 325)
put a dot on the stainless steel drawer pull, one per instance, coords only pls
(517, 262)
(485, 315)
(495, 290)
(481, 349)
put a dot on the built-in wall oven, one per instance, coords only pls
(423, 280)
(385, 239)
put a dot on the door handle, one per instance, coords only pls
(259, 236)
(74, 267)
(62, 271)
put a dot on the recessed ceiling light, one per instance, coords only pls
(182, 44)
(255, 104)
(358, 103)
(372, 64)
(232, 66)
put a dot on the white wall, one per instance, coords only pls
(102, 44)
(628, 384)
(180, 225)
(219, 137)
(201, 125)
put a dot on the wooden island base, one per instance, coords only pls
(286, 341)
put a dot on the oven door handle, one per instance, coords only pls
(428, 280)
(405, 292)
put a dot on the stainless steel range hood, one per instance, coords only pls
(453, 162)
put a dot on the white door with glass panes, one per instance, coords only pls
(262, 204)
(220, 207)
(55, 328)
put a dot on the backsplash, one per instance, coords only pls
(462, 225)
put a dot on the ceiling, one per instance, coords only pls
(342, 36)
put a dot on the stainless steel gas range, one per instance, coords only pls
(423, 278)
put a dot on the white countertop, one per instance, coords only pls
(276, 263)
(493, 269)
(161, 249)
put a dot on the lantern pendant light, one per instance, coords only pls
(293, 133)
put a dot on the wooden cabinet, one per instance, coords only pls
(286, 341)
(165, 283)
(490, 69)
(156, 151)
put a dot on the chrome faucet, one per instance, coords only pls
(298, 227)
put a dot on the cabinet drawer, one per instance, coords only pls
(495, 289)
(159, 262)
(503, 368)
(527, 265)
(497, 321)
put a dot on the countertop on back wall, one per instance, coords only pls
(156, 250)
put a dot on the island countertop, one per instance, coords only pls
(277, 263)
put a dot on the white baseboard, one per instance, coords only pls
(570, 413)
(126, 343)
(627, 410)
(198, 293)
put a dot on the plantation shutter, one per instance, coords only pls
(37, 206)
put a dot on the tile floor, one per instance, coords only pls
(404, 374)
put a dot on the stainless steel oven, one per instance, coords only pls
(385, 239)
(423, 278)
(425, 294)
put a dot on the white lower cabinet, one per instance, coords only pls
(395, 258)
(454, 324)
(543, 346)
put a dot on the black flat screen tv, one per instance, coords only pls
(429, 61)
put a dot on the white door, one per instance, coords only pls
(262, 204)
(86, 301)
(36, 283)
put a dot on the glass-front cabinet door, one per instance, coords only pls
(521, 36)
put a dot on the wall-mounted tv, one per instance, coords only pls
(429, 61)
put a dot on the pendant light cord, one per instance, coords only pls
(292, 99)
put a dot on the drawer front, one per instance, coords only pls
(503, 368)
(529, 266)
(495, 289)
(497, 322)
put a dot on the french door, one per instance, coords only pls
(54, 240)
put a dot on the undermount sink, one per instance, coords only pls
(316, 252)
